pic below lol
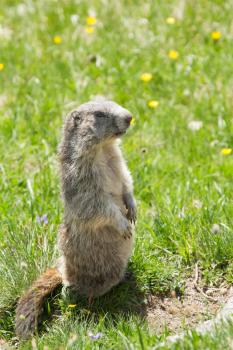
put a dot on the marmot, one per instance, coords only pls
(96, 237)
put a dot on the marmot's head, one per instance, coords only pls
(100, 120)
(92, 124)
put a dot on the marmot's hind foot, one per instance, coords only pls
(69, 295)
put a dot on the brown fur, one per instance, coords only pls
(30, 305)
(96, 238)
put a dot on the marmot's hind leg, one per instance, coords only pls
(69, 295)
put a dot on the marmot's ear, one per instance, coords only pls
(76, 117)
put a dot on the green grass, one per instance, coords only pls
(183, 184)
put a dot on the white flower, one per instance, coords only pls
(195, 125)
(3, 100)
(181, 213)
(197, 204)
(23, 264)
(215, 228)
(221, 122)
(74, 19)
(5, 33)
(22, 9)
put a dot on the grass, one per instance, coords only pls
(183, 184)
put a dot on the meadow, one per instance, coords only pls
(170, 63)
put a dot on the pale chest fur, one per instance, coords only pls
(112, 169)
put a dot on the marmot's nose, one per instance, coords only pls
(128, 119)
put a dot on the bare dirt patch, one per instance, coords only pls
(180, 312)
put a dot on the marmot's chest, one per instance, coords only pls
(112, 177)
(108, 166)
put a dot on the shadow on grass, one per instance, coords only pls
(124, 300)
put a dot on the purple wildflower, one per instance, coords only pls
(95, 336)
(42, 219)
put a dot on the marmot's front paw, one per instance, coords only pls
(126, 230)
(127, 234)
(132, 214)
(130, 206)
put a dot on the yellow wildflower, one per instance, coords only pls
(173, 54)
(216, 35)
(171, 20)
(57, 39)
(2, 66)
(226, 151)
(90, 20)
(153, 104)
(89, 30)
(72, 305)
(146, 77)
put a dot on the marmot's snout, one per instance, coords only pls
(124, 123)
(128, 119)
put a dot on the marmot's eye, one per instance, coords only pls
(99, 114)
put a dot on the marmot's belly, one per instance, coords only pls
(94, 266)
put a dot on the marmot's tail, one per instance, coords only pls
(30, 305)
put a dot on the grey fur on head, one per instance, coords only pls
(94, 123)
